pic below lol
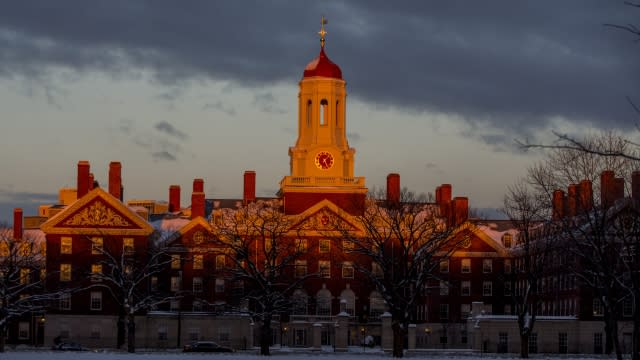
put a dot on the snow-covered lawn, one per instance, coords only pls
(354, 354)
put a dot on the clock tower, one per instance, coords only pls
(321, 161)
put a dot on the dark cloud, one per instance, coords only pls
(22, 197)
(267, 102)
(170, 130)
(510, 65)
(163, 155)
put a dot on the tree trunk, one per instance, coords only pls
(636, 332)
(615, 338)
(265, 335)
(3, 335)
(131, 333)
(398, 339)
(524, 345)
(121, 330)
(608, 344)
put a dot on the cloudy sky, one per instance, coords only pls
(438, 91)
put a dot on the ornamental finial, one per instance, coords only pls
(322, 32)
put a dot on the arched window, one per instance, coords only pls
(337, 117)
(299, 302)
(348, 298)
(323, 302)
(324, 112)
(506, 240)
(309, 113)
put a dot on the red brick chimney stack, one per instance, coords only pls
(445, 200)
(635, 185)
(586, 195)
(83, 178)
(572, 200)
(606, 188)
(174, 198)
(558, 204)
(249, 190)
(460, 210)
(438, 195)
(393, 188)
(197, 199)
(115, 179)
(17, 223)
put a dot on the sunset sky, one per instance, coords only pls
(437, 91)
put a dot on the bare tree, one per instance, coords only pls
(402, 243)
(527, 210)
(22, 262)
(126, 272)
(263, 248)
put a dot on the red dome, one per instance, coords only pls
(322, 66)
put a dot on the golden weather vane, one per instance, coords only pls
(322, 32)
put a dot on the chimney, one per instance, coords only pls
(17, 223)
(84, 182)
(460, 210)
(635, 185)
(197, 199)
(198, 185)
(115, 179)
(438, 195)
(558, 205)
(586, 195)
(393, 188)
(249, 191)
(445, 200)
(174, 198)
(606, 188)
(572, 200)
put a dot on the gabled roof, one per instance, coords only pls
(483, 233)
(325, 217)
(97, 213)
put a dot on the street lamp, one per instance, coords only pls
(284, 336)
(362, 336)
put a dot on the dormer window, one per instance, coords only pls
(324, 112)
(506, 240)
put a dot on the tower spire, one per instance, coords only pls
(322, 32)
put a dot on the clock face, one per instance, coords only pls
(324, 160)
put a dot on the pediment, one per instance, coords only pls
(471, 241)
(97, 213)
(325, 217)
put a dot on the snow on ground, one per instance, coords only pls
(353, 354)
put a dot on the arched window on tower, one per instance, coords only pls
(324, 112)
(309, 113)
(337, 107)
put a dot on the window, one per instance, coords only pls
(324, 112)
(444, 311)
(175, 261)
(65, 272)
(487, 266)
(347, 245)
(464, 336)
(507, 266)
(96, 300)
(25, 274)
(223, 335)
(597, 343)
(127, 246)
(299, 302)
(324, 268)
(309, 113)
(65, 245)
(194, 334)
(162, 333)
(466, 266)
(219, 285)
(347, 270)
(198, 237)
(465, 288)
(627, 307)
(465, 311)
(444, 266)
(301, 268)
(96, 245)
(597, 307)
(506, 240)
(96, 270)
(175, 283)
(376, 305)
(221, 262)
(444, 288)
(65, 301)
(323, 302)
(507, 288)
(562, 343)
(23, 330)
(95, 332)
(487, 288)
(301, 245)
(503, 342)
(197, 284)
(325, 245)
(154, 283)
(376, 270)
(198, 262)
(533, 343)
